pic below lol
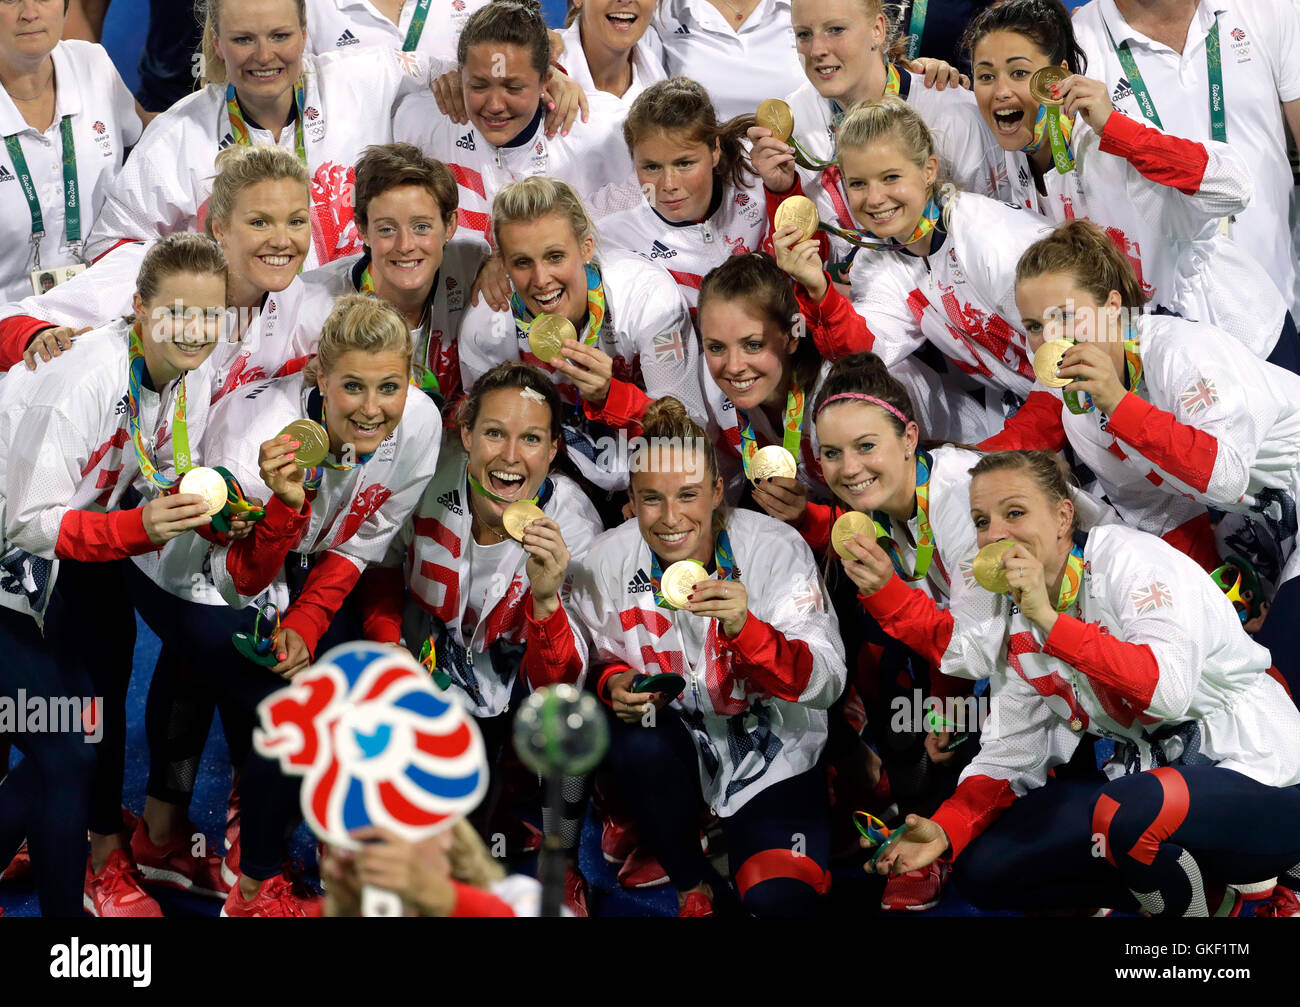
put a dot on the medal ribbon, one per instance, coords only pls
(423, 378)
(417, 25)
(1073, 579)
(1214, 67)
(723, 558)
(1133, 365)
(925, 534)
(239, 127)
(1058, 127)
(180, 430)
(313, 477)
(71, 192)
(595, 308)
(865, 239)
(792, 424)
(893, 85)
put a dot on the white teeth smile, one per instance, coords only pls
(367, 428)
(626, 18)
(859, 487)
(827, 71)
(887, 215)
(276, 260)
(508, 477)
(264, 74)
(550, 299)
(407, 263)
(744, 385)
(672, 539)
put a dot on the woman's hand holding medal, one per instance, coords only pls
(800, 258)
(784, 499)
(292, 652)
(773, 159)
(1084, 96)
(630, 707)
(1028, 582)
(870, 568)
(588, 367)
(283, 476)
(548, 561)
(921, 844)
(1090, 364)
(724, 600)
(166, 517)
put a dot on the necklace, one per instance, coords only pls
(484, 526)
(740, 17)
(40, 93)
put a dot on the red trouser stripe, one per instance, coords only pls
(1102, 815)
(768, 864)
(1173, 812)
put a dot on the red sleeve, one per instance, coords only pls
(775, 199)
(1167, 160)
(624, 406)
(1128, 668)
(1035, 426)
(98, 538)
(471, 901)
(1186, 453)
(328, 584)
(380, 593)
(253, 562)
(974, 806)
(15, 333)
(608, 672)
(815, 526)
(834, 324)
(910, 616)
(762, 654)
(550, 654)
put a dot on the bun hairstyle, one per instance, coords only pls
(757, 280)
(208, 12)
(508, 22)
(1082, 249)
(1047, 469)
(866, 374)
(1046, 23)
(359, 322)
(240, 167)
(681, 106)
(667, 421)
(512, 374)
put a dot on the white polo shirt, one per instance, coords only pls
(739, 67)
(647, 63)
(104, 124)
(341, 25)
(1260, 45)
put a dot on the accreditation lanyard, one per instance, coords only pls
(71, 192)
(1214, 64)
(417, 25)
(915, 27)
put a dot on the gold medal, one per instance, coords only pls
(313, 441)
(1048, 359)
(799, 211)
(1076, 724)
(678, 579)
(518, 516)
(775, 115)
(547, 334)
(207, 483)
(772, 461)
(1040, 84)
(846, 526)
(988, 570)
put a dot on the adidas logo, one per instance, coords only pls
(226, 141)
(1122, 90)
(347, 38)
(5, 174)
(659, 250)
(466, 141)
(1023, 176)
(639, 584)
(451, 500)
(682, 30)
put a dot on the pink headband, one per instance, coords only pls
(862, 398)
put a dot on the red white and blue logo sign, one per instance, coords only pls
(377, 743)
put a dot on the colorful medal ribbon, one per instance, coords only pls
(1058, 127)
(423, 378)
(313, 477)
(1073, 579)
(417, 25)
(925, 534)
(483, 491)
(180, 431)
(1214, 69)
(792, 423)
(865, 239)
(723, 558)
(595, 308)
(1133, 374)
(239, 128)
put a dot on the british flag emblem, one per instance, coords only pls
(1238, 35)
(409, 62)
(807, 595)
(1200, 396)
(1149, 598)
(376, 742)
(968, 573)
(99, 128)
(311, 112)
(458, 5)
(669, 348)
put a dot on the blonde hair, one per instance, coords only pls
(532, 198)
(213, 67)
(239, 167)
(358, 322)
(178, 253)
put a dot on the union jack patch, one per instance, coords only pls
(968, 573)
(807, 594)
(1199, 396)
(1149, 598)
(669, 348)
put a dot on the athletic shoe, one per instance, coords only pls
(642, 871)
(915, 891)
(19, 868)
(1283, 903)
(275, 897)
(532, 837)
(696, 904)
(176, 866)
(617, 840)
(575, 891)
(116, 891)
(230, 865)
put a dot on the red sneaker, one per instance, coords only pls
(1283, 903)
(176, 866)
(915, 891)
(19, 868)
(696, 904)
(642, 871)
(617, 840)
(575, 891)
(275, 897)
(116, 891)
(230, 865)
(532, 837)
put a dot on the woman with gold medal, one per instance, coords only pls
(1112, 634)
